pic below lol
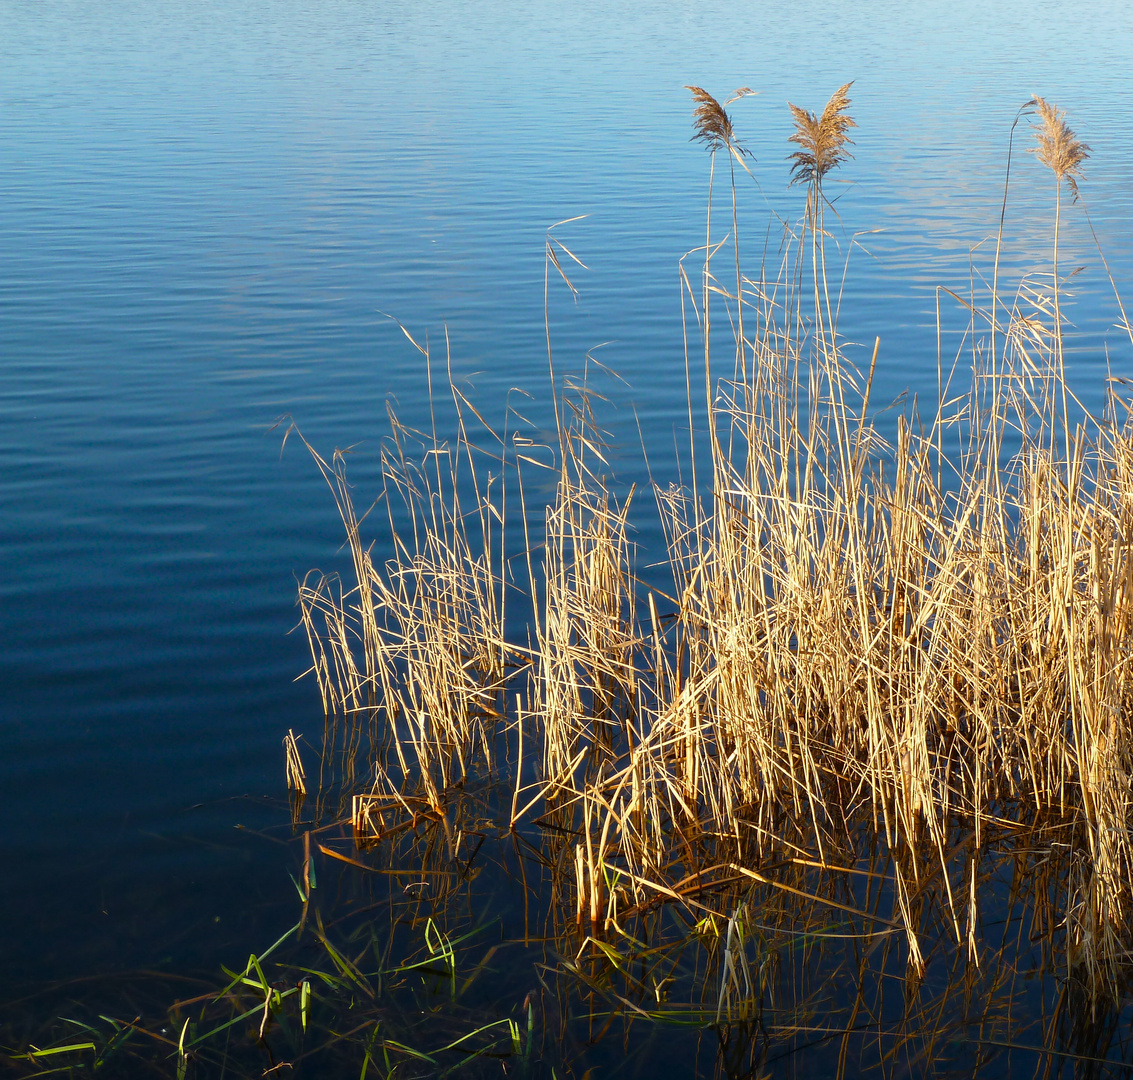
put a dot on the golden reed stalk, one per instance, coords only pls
(864, 637)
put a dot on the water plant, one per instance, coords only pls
(863, 635)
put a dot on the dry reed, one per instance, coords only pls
(823, 139)
(866, 640)
(1058, 148)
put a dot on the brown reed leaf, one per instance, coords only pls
(1058, 147)
(823, 138)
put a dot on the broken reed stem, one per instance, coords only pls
(296, 777)
(853, 645)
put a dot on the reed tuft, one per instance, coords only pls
(1058, 147)
(712, 124)
(823, 138)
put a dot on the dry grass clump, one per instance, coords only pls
(921, 640)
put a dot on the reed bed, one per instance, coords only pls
(913, 641)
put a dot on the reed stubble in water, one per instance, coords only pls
(922, 641)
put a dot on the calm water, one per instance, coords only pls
(208, 211)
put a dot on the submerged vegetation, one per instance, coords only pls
(854, 779)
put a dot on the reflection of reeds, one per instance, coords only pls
(852, 652)
(444, 947)
(451, 942)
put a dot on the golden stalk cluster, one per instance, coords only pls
(924, 640)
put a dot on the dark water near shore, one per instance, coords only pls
(208, 211)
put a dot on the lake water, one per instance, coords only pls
(209, 213)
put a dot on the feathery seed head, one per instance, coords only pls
(713, 125)
(1058, 147)
(823, 138)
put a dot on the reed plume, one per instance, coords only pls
(710, 119)
(823, 138)
(1058, 147)
(713, 125)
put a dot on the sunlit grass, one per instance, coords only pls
(917, 638)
